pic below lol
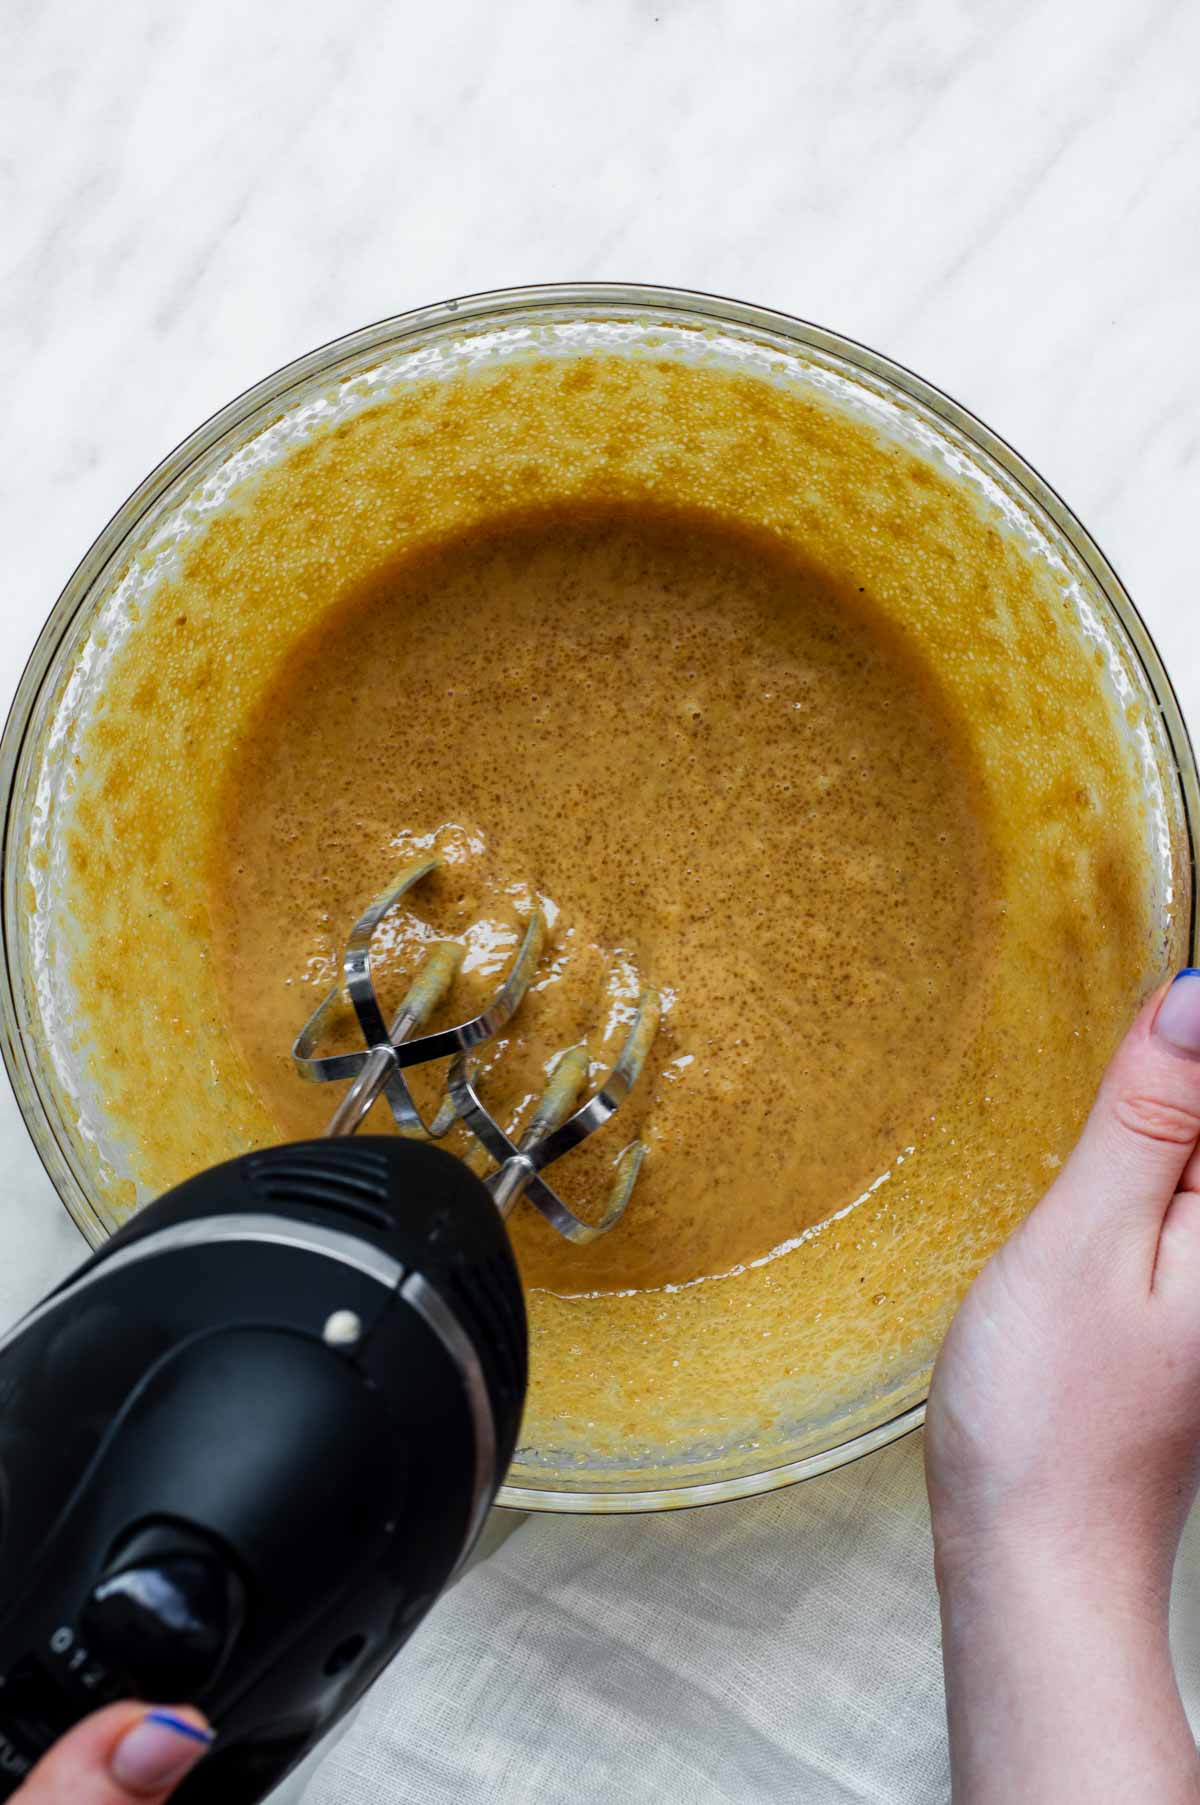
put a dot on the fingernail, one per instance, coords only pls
(159, 1750)
(1178, 1018)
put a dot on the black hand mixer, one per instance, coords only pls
(245, 1447)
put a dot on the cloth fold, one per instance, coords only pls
(786, 1648)
(782, 1648)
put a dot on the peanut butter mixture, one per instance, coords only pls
(761, 710)
(718, 770)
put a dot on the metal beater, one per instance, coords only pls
(561, 1120)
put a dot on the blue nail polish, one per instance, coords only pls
(169, 1721)
(1178, 1019)
(1189, 971)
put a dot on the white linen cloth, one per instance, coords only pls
(782, 1648)
(786, 1648)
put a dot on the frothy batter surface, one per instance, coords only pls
(720, 770)
(776, 717)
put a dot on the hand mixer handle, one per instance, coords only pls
(287, 1391)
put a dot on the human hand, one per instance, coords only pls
(1063, 1451)
(1065, 1407)
(127, 1753)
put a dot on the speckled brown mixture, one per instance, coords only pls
(773, 717)
(720, 770)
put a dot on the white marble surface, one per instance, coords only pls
(1003, 198)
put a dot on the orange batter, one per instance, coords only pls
(770, 712)
(721, 771)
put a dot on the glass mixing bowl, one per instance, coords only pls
(99, 606)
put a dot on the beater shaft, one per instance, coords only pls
(424, 994)
(558, 1100)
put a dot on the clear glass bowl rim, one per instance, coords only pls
(499, 306)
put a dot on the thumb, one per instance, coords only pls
(1145, 1124)
(124, 1754)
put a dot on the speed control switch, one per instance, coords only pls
(166, 1612)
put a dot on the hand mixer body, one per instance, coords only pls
(244, 1448)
